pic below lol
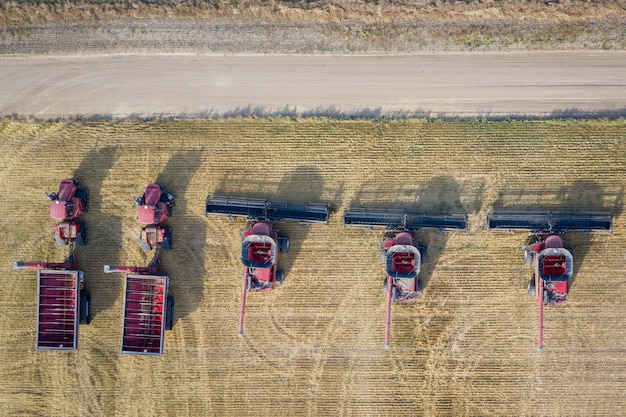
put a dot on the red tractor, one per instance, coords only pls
(148, 307)
(154, 207)
(69, 203)
(62, 303)
(400, 251)
(553, 264)
(261, 241)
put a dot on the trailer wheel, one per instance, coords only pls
(531, 287)
(85, 307)
(169, 313)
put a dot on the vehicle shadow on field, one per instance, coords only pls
(104, 231)
(185, 262)
(580, 196)
(303, 185)
(441, 195)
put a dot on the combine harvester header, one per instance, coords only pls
(261, 243)
(260, 210)
(553, 264)
(400, 250)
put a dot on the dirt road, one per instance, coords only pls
(467, 84)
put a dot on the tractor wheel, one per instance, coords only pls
(83, 195)
(85, 307)
(167, 241)
(145, 246)
(283, 244)
(169, 313)
(280, 277)
(81, 238)
(60, 241)
(420, 287)
(531, 287)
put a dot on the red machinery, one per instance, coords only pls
(155, 206)
(67, 204)
(401, 253)
(261, 242)
(62, 303)
(553, 263)
(148, 308)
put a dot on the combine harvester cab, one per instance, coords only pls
(62, 303)
(148, 308)
(261, 242)
(400, 251)
(154, 207)
(69, 203)
(553, 264)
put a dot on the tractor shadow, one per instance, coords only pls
(185, 262)
(303, 185)
(441, 195)
(581, 195)
(104, 231)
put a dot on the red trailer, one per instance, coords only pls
(62, 303)
(400, 251)
(148, 308)
(69, 203)
(553, 264)
(261, 242)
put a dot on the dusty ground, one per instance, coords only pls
(315, 346)
(337, 26)
(487, 85)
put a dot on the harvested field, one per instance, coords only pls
(315, 346)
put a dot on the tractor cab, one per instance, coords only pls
(69, 202)
(155, 206)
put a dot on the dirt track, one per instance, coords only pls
(315, 346)
(485, 84)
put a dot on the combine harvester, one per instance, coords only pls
(400, 251)
(148, 308)
(69, 203)
(553, 263)
(62, 303)
(154, 207)
(261, 243)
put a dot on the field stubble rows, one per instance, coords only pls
(314, 347)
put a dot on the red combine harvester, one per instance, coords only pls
(261, 241)
(62, 303)
(148, 308)
(400, 251)
(155, 206)
(553, 263)
(68, 204)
